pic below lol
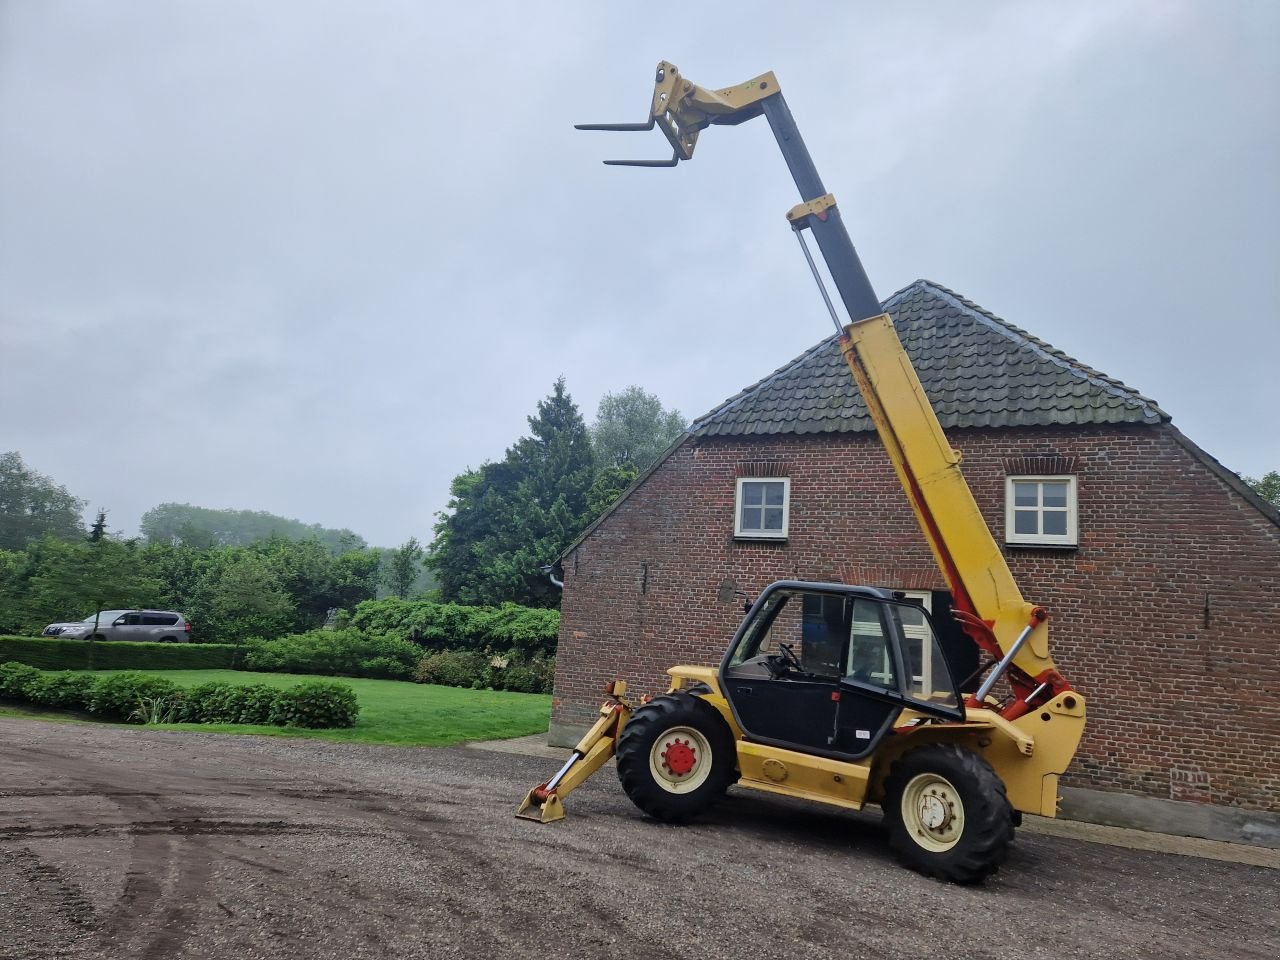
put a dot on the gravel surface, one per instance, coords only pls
(127, 843)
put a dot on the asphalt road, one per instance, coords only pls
(127, 843)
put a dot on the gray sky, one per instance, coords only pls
(317, 258)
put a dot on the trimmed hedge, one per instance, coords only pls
(457, 627)
(54, 653)
(145, 698)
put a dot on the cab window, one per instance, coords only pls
(923, 658)
(813, 626)
(870, 650)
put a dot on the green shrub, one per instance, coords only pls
(54, 653)
(335, 653)
(64, 691)
(15, 678)
(453, 668)
(456, 627)
(520, 679)
(388, 668)
(534, 675)
(143, 698)
(470, 668)
(316, 704)
(228, 703)
(256, 701)
(121, 694)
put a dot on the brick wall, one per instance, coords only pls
(1167, 616)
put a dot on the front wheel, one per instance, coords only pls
(947, 813)
(676, 757)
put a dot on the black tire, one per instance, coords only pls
(168, 639)
(972, 822)
(690, 734)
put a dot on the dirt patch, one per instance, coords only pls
(131, 843)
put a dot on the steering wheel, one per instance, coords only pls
(789, 658)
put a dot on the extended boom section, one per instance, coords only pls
(990, 606)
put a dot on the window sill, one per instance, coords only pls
(1059, 547)
(749, 538)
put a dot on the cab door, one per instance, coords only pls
(784, 687)
(893, 661)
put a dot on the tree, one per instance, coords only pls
(14, 575)
(401, 566)
(1268, 488)
(240, 597)
(68, 581)
(99, 528)
(32, 506)
(316, 581)
(632, 429)
(505, 520)
(609, 484)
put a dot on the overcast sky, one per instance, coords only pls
(317, 258)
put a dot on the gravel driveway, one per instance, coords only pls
(127, 843)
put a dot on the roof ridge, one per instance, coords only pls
(1048, 351)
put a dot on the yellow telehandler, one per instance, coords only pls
(841, 694)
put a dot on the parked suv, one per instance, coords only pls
(139, 625)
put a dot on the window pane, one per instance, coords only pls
(773, 518)
(753, 494)
(869, 657)
(1055, 522)
(912, 616)
(1026, 494)
(772, 494)
(1024, 521)
(914, 654)
(825, 627)
(1055, 494)
(751, 518)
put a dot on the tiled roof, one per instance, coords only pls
(978, 371)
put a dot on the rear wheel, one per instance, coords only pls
(947, 814)
(676, 757)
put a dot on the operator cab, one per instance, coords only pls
(827, 668)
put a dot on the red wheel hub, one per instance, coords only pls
(679, 757)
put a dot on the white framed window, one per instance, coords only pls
(761, 508)
(1041, 510)
(915, 628)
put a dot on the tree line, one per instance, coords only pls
(267, 589)
(242, 573)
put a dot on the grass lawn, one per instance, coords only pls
(391, 711)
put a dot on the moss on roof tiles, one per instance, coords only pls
(978, 370)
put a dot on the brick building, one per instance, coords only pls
(1160, 569)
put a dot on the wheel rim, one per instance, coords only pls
(680, 760)
(933, 812)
